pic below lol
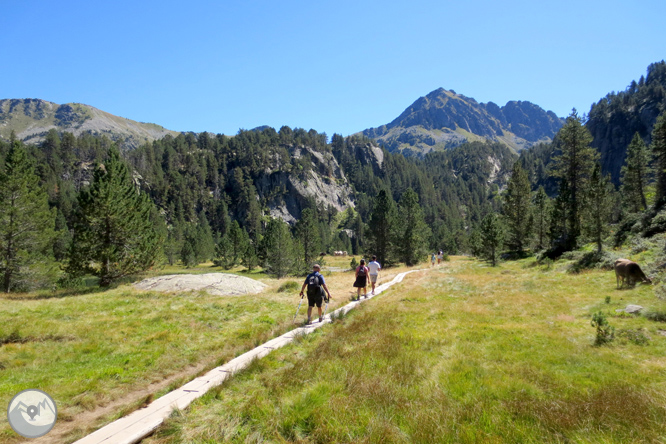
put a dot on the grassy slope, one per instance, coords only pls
(464, 353)
(87, 350)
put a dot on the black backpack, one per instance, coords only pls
(314, 285)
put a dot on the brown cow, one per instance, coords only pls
(629, 271)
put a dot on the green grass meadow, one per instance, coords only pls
(463, 353)
(89, 347)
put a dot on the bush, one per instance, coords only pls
(353, 264)
(657, 316)
(637, 337)
(630, 224)
(603, 261)
(656, 224)
(288, 287)
(605, 332)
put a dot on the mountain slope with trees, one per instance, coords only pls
(616, 118)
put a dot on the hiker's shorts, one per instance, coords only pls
(373, 278)
(315, 300)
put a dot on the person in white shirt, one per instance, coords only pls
(374, 268)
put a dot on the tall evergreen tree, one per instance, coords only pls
(492, 237)
(232, 246)
(598, 206)
(114, 235)
(659, 152)
(381, 229)
(541, 216)
(517, 208)
(633, 175)
(278, 253)
(307, 234)
(204, 246)
(574, 165)
(558, 219)
(26, 223)
(412, 231)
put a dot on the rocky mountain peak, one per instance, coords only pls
(445, 119)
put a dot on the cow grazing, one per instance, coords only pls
(630, 272)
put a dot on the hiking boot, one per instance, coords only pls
(321, 319)
(308, 322)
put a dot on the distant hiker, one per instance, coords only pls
(432, 260)
(440, 256)
(361, 280)
(374, 268)
(316, 286)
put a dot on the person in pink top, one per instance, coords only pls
(361, 280)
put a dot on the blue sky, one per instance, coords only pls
(336, 67)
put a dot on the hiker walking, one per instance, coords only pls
(316, 286)
(361, 280)
(440, 256)
(374, 269)
(432, 260)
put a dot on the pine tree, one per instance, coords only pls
(517, 208)
(492, 237)
(659, 153)
(599, 204)
(114, 235)
(204, 245)
(278, 254)
(249, 258)
(574, 166)
(63, 237)
(381, 229)
(633, 175)
(232, 247)
(541, 216)
(413, 233)
(26, 223)
(558, 219)
(307, 234)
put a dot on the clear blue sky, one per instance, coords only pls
(334, 66)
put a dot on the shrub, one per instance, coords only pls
(630, 224)
(604, 261)
(657, 316)
(288, 286)
(638, 337)
(353, 264)
(656, 225)
(605, 332)
(608, 299)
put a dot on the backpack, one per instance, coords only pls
(314, 285)
(361, 270)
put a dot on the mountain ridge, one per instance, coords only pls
(444, 119)
(31, 120)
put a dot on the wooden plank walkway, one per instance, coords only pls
(141, 423)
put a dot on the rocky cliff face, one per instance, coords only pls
(31, 119)
(444, 119)
(286, 193)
